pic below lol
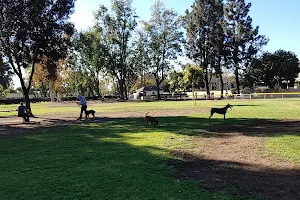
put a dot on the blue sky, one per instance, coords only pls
(279, 20)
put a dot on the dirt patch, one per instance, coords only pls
(240, 163)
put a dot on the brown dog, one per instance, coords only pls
(151, 120)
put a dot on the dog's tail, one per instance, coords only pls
(147, 113)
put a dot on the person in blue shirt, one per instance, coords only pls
(22, 112)
(83, 105)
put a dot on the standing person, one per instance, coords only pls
(83, 105)
(22, 112)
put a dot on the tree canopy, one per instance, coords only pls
(31, 29)
(271, 69)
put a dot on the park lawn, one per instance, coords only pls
(264, 109)
(123, 159)
(285, 146)
(114, 160)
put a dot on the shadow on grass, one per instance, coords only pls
(239, 178)
(90, 161)
(184, 125)
(106, 158)
(193, 126)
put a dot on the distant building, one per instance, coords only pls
(215, 83)
(147, 92)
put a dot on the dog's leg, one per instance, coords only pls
(224, 117)
(211, 114)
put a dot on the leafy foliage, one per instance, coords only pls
(273, 69)
(242, 40)
(164, 40)
(91, 57)
(5, 74)
(3, 92)
(31, 29)
(202, 23)
(117, 28)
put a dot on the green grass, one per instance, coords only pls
(123, 159)
(285, 146)
(114, 160)
(264, 109)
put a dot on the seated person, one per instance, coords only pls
(22, 112)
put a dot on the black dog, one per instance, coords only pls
(221, 111)
(88, 112)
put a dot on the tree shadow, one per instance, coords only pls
(92, 159)
(184, 125)
(89, 161)
(204, 127)
(241, 179)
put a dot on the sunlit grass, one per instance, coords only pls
(285, 146)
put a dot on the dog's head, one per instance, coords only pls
(229, 106)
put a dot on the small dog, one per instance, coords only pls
(151, 120)
(221, 111)
(88, 112)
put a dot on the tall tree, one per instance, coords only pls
(202, 23)
(279, 68)
(288, 63)
(140, 57)
(92, 56)
(242, 40)
(165, 38)
(29, 30)
(220, 52)
(193, 77)
(117, 28)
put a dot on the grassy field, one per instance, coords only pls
(262, 109)
(124, 159)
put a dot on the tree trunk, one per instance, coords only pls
(98, 89)
(193, 90)
(125, 90)
(58, 97)
(236, 72)
(121, 88)
(222, 85)
(51, 90)
(157, 89)
(207, 82)
(44, 90)
(26, 98)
